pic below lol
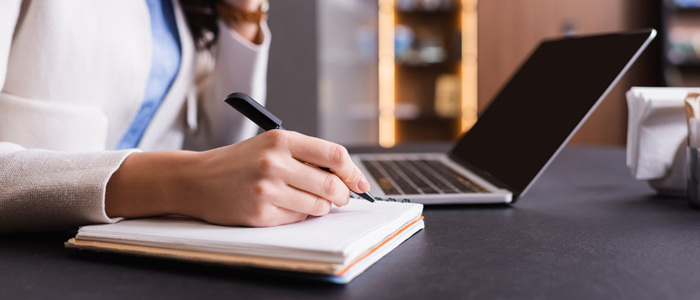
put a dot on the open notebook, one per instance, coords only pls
(336, 247)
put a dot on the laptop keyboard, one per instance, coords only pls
(415, 177)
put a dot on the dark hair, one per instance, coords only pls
(201, 19)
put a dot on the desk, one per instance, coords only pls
(586, 230)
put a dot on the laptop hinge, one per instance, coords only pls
(484, 175)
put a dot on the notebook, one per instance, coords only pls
(336, 247)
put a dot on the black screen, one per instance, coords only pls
(543, 103)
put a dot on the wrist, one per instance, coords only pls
(179, 188)
(149, 184)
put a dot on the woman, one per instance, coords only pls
(87, 83)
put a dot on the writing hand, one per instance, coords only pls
(267, 180)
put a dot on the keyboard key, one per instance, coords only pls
(450, 177)
(459, 181)
(424, 186)
(432, 175)
(383, 182)
(404, 185)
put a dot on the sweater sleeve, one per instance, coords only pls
(9, 12)
(48, 190)
(51, 190)
(241, 66)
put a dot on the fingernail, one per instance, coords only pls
(363, 185)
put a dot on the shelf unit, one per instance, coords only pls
(427, 70)
(680, 34)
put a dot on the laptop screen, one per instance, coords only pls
(544, 102)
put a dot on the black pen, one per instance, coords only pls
(255, 112)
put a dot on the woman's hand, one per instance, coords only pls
(267, 180)
(250, 31)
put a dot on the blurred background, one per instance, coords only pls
(388, 72)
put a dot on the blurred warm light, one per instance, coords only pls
(387, 79)
(387, 70)
(469, 97)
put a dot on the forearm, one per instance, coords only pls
(149, 184)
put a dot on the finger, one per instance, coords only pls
(303, 202)
(330, 155)
(316, 181)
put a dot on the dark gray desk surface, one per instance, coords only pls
(586, 230)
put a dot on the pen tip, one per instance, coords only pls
(369, 197)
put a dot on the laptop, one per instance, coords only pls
(521, 132)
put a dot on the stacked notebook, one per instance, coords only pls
(336, 247)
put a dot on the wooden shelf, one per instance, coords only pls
(429, 116)
(441, 65)
(416, 83)
(427, 129)
(429, 12)
(673, 16)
